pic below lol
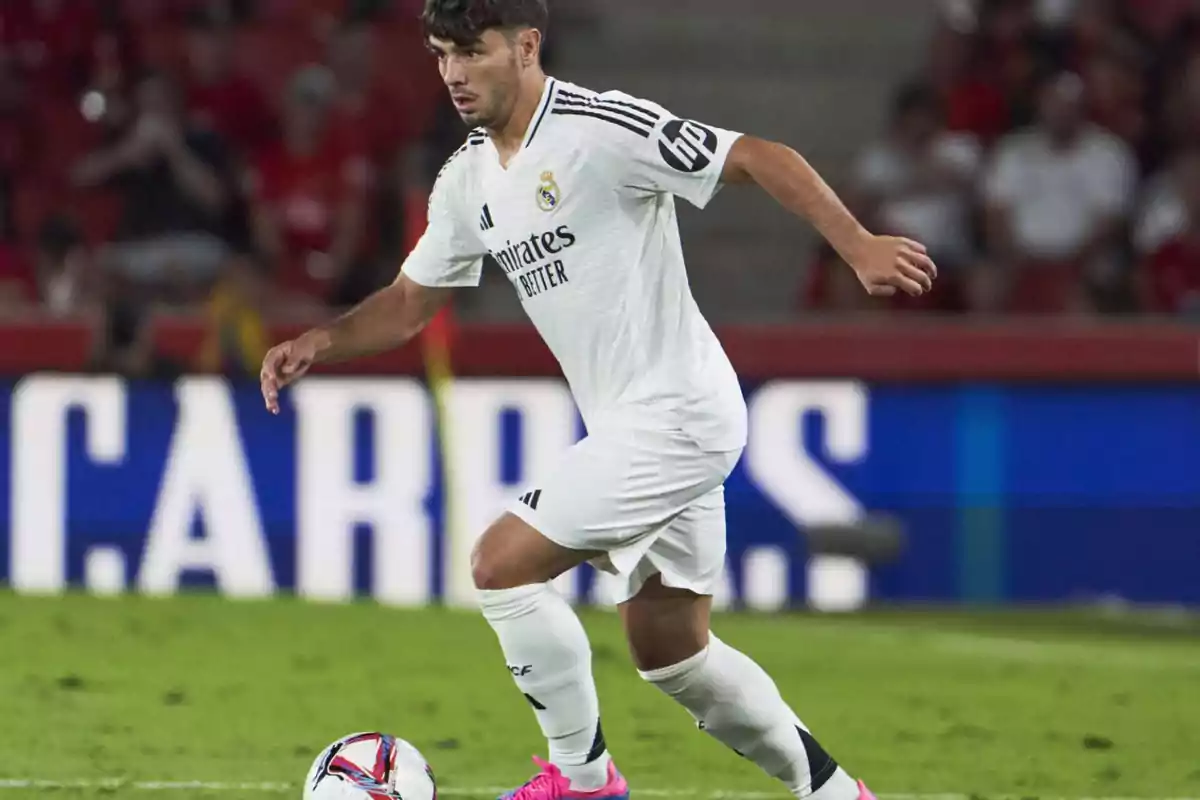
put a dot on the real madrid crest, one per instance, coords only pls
(548, 193)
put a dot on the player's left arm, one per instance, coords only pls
(661, 152)
(883, 264)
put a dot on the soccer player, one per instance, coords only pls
(573, 193)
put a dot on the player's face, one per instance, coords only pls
(483, 77)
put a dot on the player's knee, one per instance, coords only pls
(512, 553)
(490, 579)
(498, 561)
(487, 571)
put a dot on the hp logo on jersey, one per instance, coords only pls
(687, 146)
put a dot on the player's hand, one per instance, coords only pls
(285, 364)
(887, 264)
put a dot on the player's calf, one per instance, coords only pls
(546, 650)
(730, 696)
(736, 702)
(664, 625)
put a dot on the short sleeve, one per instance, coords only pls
(1112, 177)
(448, 254)
(656, 151)
(1160, 216)
(1002, 181)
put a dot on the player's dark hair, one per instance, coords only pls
(464, 21)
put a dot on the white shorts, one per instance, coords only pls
(652, 501)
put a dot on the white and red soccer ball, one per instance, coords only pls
(370, 766)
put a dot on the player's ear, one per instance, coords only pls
(529, 46)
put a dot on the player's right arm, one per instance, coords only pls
(448, 255)
(386, 320)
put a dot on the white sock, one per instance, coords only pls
(736, 702)
(549, 656)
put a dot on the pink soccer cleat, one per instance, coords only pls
(864, 793)
(551, 784)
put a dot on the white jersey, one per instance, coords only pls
(583, 223)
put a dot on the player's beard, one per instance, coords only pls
(490, 111)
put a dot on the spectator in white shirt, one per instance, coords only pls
(1058, 196)
(916, 181)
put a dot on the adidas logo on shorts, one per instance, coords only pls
(531, 499)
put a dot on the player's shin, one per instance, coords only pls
(734, 700)
(548, 654)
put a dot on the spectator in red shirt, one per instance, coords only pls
(385, 115)
(1181, 114)
(1171, 276)
(217, 97)
(309, 195)
(1008, 51)
(970, 93)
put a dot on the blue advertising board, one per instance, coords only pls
(1006, 493)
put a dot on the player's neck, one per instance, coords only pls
(508, 137)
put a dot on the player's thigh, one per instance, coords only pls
(666, 601)
(513, 553)
(614, 492)
(559, 521)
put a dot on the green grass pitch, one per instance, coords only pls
(194, 688)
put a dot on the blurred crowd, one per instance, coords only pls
(1048, 153)
(250, 158)
(265, 158)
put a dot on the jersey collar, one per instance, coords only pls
(540, 115)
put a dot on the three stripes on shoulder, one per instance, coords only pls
(635, 117)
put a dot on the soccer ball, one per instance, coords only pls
(370, 766)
